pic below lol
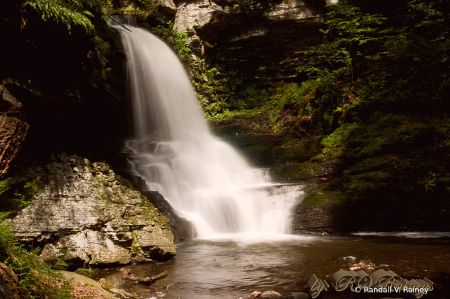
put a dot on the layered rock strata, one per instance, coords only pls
(89, 216)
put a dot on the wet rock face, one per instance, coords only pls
(255, 33)
(87, 215)
(166, 6)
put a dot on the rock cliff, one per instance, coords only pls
(247, 35)
(89, 216)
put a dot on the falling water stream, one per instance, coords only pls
(205, 180)
(241, 217)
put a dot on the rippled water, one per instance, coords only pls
(230, 269)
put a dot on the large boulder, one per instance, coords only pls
(89, 216)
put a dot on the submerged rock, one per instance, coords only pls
(271, 295)
(88, 216)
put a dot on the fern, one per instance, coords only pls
(37, 280)
(4, 186)
(66, 12)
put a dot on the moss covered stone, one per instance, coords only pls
(86, 215)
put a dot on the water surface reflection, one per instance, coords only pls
(223, 268)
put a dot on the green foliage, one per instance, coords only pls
(313, 72)
(263, 78)
(339, 136)
(66, 12)
(37, 280)
(176, 38)
(256, 128)
(273, 118)
(99, 60)
(420, 6)
(417, 49)
(148, 5)
(352, 31)
(144, 7)
(433, 183)
(4, 186)
(33, 190)
(215, 94)
(232, 79)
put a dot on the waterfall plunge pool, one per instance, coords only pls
(175, 153)
(225, 268)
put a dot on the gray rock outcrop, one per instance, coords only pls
(256, 33)
(88, 216)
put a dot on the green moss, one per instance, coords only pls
(323, 199)
(243, 140)
(370, 164)
(368, 182)
(163, 221)
(339, 137)
(124, 182)
(300, 171)
(299, 152)
(259, 154)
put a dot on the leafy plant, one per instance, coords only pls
(313, 72)
(37, 280)
(65, 12)
(4, 185)
(33, 190)
(148, 5)
(176, 38)
(352, 31)
(273, 118)
(262, 76)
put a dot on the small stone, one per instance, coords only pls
(254, 295)
(349, 258)
(271, 295)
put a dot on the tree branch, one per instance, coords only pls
(121, 25)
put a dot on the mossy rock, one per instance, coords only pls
(230, 130)
(260, 154)
(301, 152)
(324, 199)
(243, 140)
(299, 171)
(371, 164)
(88, 282)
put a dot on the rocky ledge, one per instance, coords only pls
(89, 216)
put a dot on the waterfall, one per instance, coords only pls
(204, 179)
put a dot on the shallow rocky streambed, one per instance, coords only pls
(225, 268)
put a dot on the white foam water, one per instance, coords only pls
(205, 180)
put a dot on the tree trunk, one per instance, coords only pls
(12, 134)
(10, 286)
(126, 274)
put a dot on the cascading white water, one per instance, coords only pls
(203, 178)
